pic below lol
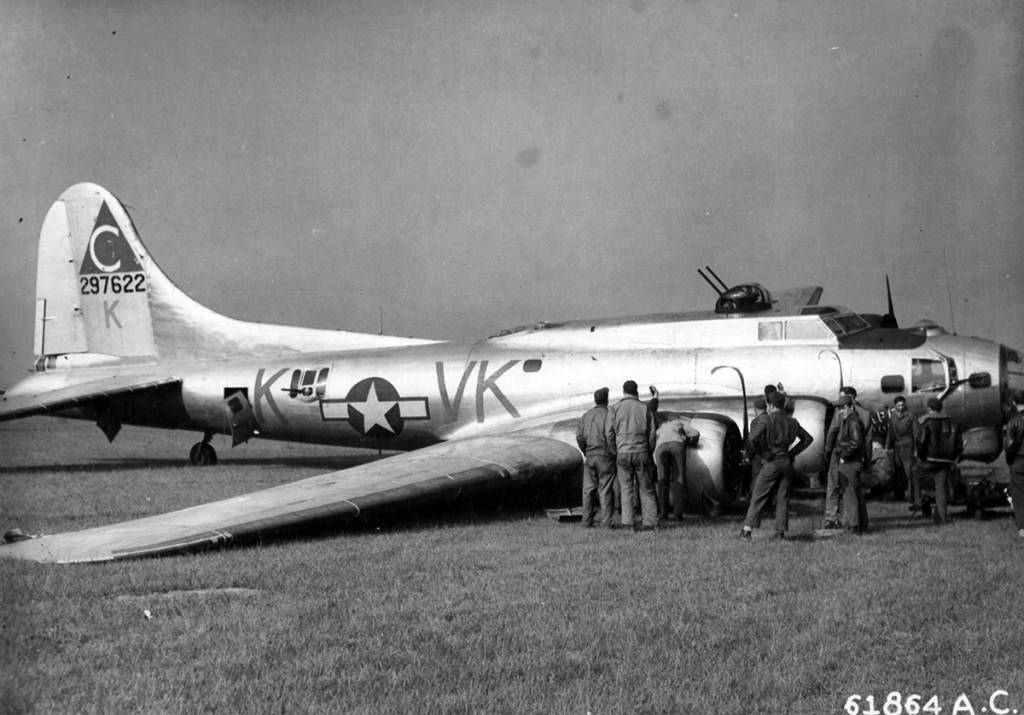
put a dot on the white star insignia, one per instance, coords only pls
(374, 411)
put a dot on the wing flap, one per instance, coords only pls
(483, 463)
(15, 406)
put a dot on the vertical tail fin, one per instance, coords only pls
(92, 279)
(98, 291)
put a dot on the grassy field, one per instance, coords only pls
(484, 611)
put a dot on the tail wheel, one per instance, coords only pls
(202, 454)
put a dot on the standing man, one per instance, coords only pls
(671, 439)
(599, 464)
(938, 447)
(832, 486)
(900, 439)
(861, 410)
(760, 415)
(846, 444)
(1015, 458)
(630, 436)
(774, 440)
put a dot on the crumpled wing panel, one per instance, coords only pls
(15, 406)
(444, 469)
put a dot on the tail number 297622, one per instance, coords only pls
(115, 284)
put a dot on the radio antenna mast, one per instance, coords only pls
(949, 289)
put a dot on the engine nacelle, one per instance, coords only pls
(983, 444)
(714, 473)
(714, 468)
(812, 414)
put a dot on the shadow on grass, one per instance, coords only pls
(913, 522)
(461, 511)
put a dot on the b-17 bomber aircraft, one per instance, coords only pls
(118, 343)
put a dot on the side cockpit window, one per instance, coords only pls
(806, 330)
(802, 329)
(927, 375)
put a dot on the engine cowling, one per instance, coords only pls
(983, 444)
(714, 472)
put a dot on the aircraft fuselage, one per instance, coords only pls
(410, 396)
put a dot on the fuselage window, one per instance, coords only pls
(927, 375)
(308, 382)
(893, 383)
(532, 365)
(769, 330)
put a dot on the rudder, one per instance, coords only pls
(92, 279)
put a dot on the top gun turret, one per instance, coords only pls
(744, 298)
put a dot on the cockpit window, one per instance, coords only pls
(846, 324)
(805, 330)
(927, 375)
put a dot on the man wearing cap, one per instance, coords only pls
(938, 447)
(900, 438)
(773, 440)
(630, 436)
(846, 445)
(1014, 445)
(599, 464)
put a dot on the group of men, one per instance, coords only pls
(921, 450)
(620, 444)
(622, 441)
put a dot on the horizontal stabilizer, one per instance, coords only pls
(15, 406)
(447, 469)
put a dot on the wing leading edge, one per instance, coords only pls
(447, 469)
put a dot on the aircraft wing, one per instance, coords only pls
(15, 406)
(442, 470)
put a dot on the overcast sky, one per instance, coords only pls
(469, 166)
